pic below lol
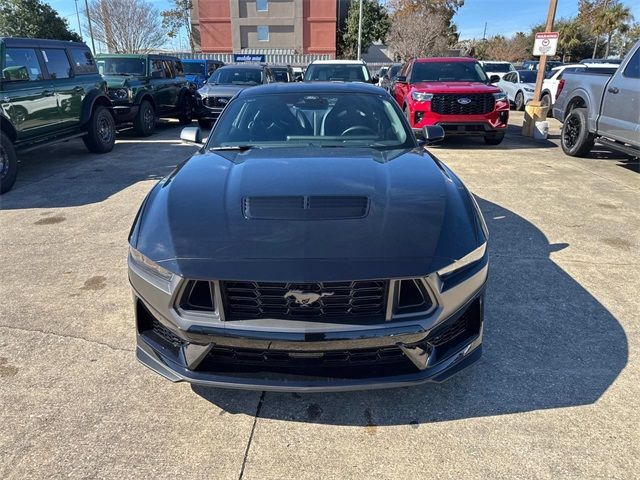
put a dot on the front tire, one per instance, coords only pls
(145, 122)
(494, 139)
(545, 101)
(101, 131)
(8, 163)
(186, 110)
(575, 139)
(519, 101)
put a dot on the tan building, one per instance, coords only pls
(234, 26)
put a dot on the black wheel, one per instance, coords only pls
(101, 131)
(145, 122)
(8, 163)
(545, 101)
(186, 110)
(519, 101)
(575, 138)
(205, 123)
(494, 138)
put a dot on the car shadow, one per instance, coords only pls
(66, 175)
(548, 344)
(514, 140)
(600, 152)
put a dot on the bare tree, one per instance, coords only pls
(422, 33)
(127, 26)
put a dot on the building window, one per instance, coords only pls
(262, 5)
(263, 33)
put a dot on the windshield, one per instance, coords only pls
(528, 76)
(193, 68)
(448, 72)
(337, 72)
(311, 119)
(498, 67)
(393, 71)
(122, 66)
(236, 76)
(281, 74)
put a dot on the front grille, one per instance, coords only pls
(305, 207)
(448, 104)
(305, 301)
(167, 335)
(216, 102)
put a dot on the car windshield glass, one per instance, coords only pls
(122, 66)
(393, 71)
(448, 72)
(498, 67)
(193, 68)
(281, 74)
(237, 76)
(311, 120)
(336, 72)
(528, 76)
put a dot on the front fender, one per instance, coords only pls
(94, 97)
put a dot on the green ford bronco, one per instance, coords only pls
(144, 87)
(50, 91)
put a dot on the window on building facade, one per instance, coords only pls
(262, 5)
(263, 33)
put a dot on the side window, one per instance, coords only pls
(21, 64)
(57, 63)
(513, 78)
(169, 71)
(179, 68)
(632, 70)
(157, 69)
(83, 62)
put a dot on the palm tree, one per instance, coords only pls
(611, 19)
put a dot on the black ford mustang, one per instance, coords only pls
(311, 244)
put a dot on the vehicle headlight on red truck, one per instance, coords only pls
(500, 97)
(421, 96)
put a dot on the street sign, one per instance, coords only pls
(248, 57)
(545, 43)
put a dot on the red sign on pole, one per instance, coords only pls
(545, 43)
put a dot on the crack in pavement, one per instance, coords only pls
(253, 429)
(43, 332)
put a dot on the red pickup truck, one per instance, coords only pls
(455, 93)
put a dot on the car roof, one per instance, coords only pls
(253, 66)
(493, 61)
(30, 42)
(444, 59)
(313, 87)
(338, 62)
(136, 55)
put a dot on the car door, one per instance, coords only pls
(68, 92)
(504, 84)
(510, 81)
(161, 85)
(27, 95)
(620, 112)
(401, 88)
(175, 84)
(85, 78)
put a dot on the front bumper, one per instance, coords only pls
(421, 115)
(394, 354)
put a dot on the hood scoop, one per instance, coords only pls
(305, 207)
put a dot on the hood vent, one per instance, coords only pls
(305, 207)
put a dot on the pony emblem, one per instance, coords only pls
(304, 299)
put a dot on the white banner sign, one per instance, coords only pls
(545, 43)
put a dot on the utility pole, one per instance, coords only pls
(360, 31)
(484, 34)
(86, 7)
(78, 15)
(551, 15)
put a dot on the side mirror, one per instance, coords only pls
(191, 135)
(375, 79)
(401, 79)
(494, 78)
(430, 134)
(204, 82)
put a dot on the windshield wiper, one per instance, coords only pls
(232, 147)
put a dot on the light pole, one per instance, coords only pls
(86, 7)
(360, 30)
(78, 15)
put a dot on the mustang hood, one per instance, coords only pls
(416, 219)
(210, 90)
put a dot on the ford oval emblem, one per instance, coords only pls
(223, 100)
(464, 101)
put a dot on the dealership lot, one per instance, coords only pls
(555, 394)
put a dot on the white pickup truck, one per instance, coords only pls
(602, 108)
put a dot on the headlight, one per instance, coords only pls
(465, 261)
(527, 89)
(149, 266)
(121, 94)
(500, 97)
(421, 96)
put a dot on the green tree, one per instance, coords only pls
(179, 18)
(611, 19)
(574, 41)
(375, 25)
(33, 19)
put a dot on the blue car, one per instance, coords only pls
(197, 71)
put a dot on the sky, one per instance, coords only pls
(504, 17)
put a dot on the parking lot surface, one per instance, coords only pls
(555, 395)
